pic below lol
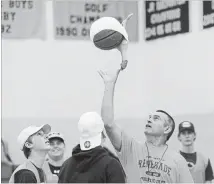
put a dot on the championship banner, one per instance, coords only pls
(166, 18)
(23, 19)
(208, 14)
(73, 19)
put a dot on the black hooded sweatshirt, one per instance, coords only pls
(92, 166)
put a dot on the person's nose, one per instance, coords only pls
(55, 145)
(187, 135)
(149, 120)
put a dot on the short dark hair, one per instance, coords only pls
(26, 150)
(171, 121)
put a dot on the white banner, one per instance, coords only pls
(23, 19)
(73, 19)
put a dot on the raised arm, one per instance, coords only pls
(107, 110)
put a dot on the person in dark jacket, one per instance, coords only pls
(90, 162)
(110, 152)
(115, 157)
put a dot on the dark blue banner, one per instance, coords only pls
(208, 14)
(166, 18)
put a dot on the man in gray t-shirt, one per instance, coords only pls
(151, 161)
(148, 163)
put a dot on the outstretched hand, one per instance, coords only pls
(112, 77)
(109, 77)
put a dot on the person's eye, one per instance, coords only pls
(40, 133)
(155, 118)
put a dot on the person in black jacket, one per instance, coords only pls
(90, 162)
(110, 152)
(115, 157)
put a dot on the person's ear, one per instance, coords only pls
(29, 145)
(194, 136)
(167, 129)
(179, 138)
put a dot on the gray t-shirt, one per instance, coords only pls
(172, 168)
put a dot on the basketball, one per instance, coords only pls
(108, 39)
(107, 33)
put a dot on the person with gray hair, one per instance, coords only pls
(151, 161)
